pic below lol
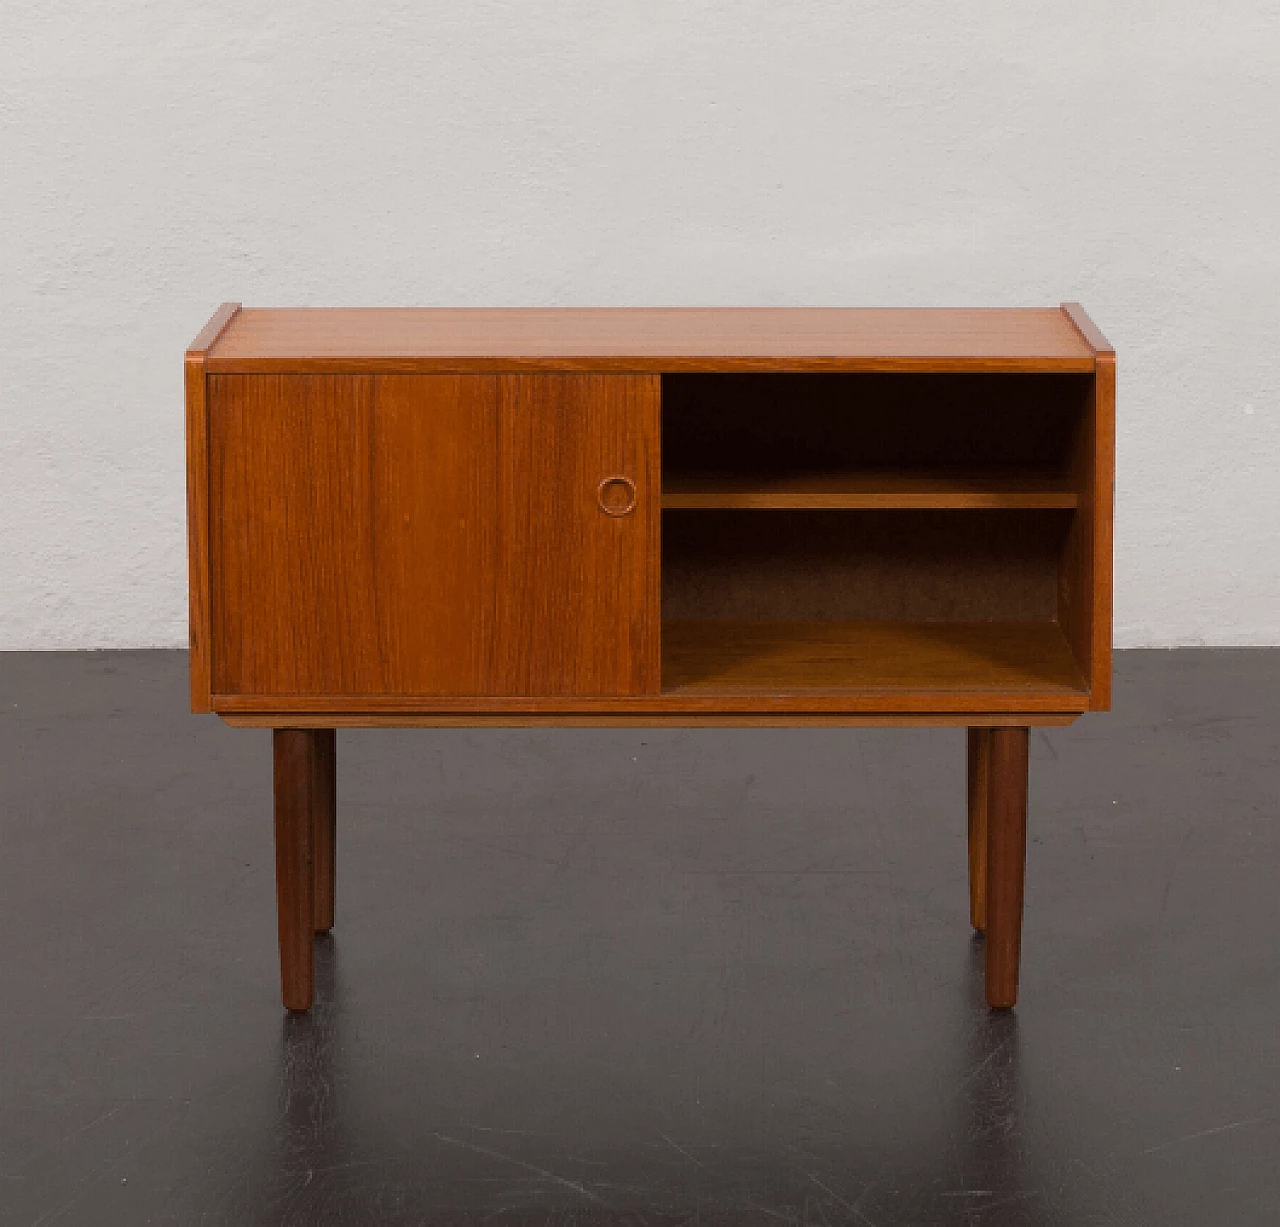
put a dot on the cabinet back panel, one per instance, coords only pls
(789, 424)
(914, 566)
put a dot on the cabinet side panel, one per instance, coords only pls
(1103, 532)
(198, 535)
(577, 588)
(1085, 576)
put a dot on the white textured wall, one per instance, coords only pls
(160, 157)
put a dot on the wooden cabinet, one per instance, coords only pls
(650, 517)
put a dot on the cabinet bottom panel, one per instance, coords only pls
(963, 659)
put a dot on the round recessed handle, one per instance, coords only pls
(616, 496)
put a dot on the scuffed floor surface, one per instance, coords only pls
(641, 977)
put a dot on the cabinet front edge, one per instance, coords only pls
(622, 364)
(330, 720)
(967, 702)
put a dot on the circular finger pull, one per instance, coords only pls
(616, 495)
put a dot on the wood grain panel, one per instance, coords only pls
(1086, 585)
(435, 502)
(844, 566)
(1103, 573)
(644, 339)
(1085, 574)
(863, 658)
(782, 424)
(578, 589)
(291, 479)
(433, 535)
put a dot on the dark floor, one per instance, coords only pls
(642, 976)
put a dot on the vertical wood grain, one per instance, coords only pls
(1006, 861)
(433, 534)
(578, 589)
(434, 523)
(294, 753)
(324, 826)
(978, 746)
(291, 478)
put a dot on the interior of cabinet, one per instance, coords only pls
(869, 531)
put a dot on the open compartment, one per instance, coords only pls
(871, 440)
(864, 601)
(876, 533)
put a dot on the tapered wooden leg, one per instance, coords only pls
(979, 756)
(324, 810)
(294, 752)
(1006, 860)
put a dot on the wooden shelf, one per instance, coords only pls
(867, 490)
(935, 662)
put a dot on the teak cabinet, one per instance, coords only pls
(648, 517)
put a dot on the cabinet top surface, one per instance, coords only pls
(654, 339)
